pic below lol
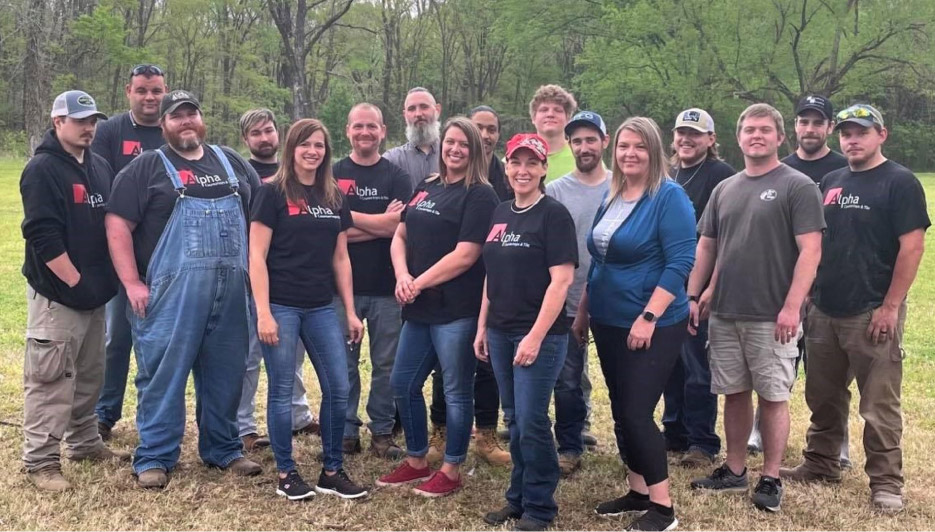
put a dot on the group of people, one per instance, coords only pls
(694, 280)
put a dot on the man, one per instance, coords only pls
(120, 140)
(581, 192)
(69, 279)
(176, 226)
(876, 215)
(690, 408)
(766, 219)
(549, 110)
(488, 123)
(376, 191)
(419, 156)
(260, 134)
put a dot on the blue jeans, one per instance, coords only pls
(525, 392)
(421, 346)
(109, 407)
(571, 410)
(320, 332)
(690, 414)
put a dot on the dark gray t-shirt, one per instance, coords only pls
(755, 221)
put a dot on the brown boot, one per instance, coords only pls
(252, 442)
(384, 446)
(487, 447)
(153, 479)
(49, 479)
(437, 444)
(244, 467)
(568, 463)
(104, 454)
(801, 473)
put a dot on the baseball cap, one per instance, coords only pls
(862, 114)
(76, 104)
(815, 102)
(530, 141)
(695, 118)
(176, 99)
(586, 118)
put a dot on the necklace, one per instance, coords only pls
(679, 170)
(524, 209)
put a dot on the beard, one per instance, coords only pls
(423, 134)
(590, 164)
(175, 140)
(811, 146)
(265, 150)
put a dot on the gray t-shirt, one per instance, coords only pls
(582, 201)
(414, 161)
(755, 221)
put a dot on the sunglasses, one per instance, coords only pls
(146, 70)
(856, 112)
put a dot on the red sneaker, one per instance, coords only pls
(439, 485)
(404, 474)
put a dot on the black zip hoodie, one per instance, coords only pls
(63, 203)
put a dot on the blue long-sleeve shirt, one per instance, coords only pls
(654, 246)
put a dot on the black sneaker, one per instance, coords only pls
(339, 484)
(768, 494)
(294, 488)
(654, 520)
(722, 479)
(621, 505)
(502, 515)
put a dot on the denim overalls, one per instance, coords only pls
(196, 321)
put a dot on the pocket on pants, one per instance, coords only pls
(46, 358)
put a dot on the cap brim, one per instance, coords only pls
(85, 114)
(692, 126)
(859, 121)
(571, 126)
(176, 105)
(527, 148)
(817, 109)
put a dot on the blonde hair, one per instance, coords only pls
(552, 93)
(326, 187)
(477, 163)
(649, 133)
(759, 110)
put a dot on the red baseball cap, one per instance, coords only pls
(531, 141)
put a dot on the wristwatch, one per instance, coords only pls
(693, 299)
(649, 316)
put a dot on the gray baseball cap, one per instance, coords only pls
(75, 104)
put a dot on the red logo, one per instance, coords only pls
(295, 209)
(187, 177)
(132, 147)
(419, 196)
(80, 193)
(832, 196)
(347, 186)
(496, 232)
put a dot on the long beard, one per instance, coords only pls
(425, 134)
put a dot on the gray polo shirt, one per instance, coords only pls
(414, 161)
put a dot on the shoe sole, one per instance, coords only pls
(765, 508)
(430, 495)
(327, 491)
(295, 497)
(383, 484)
(618, 514)
(739, 489)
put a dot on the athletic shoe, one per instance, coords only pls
(631, 502)
(654, 520)
(768, 494)
(801, 473)
(438, 485)
(294, 488)
(502, 515)
(722, 479)
(339, 484)
(404, 474)
(525, 523)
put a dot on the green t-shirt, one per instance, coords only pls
(561, 163)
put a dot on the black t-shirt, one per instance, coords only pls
(143, 193)
(866, 213)
(119, 140)
(699, 180)
(264, 170)
(369, 189)
(818, 168)
(519, 251)
(497, 177)
(301, 252)
(437, 217)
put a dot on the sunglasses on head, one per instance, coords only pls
(146, 70)
(856, 112)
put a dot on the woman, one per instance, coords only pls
(439, 281)
(531, 254)
(642, 247)
(298, 254)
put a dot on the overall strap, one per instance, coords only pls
(231, 178)
(172, 172)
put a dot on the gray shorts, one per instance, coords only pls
(745, 356)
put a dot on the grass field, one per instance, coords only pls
(197, 498)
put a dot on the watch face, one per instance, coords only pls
(649, 316)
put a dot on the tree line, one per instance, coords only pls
(619, 57)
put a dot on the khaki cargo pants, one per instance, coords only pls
(62, 377)
(839, 351)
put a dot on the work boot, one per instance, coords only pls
(487, 447)
(696, 458)
(350, 446)
(437, 444)
(384, 446)
(313, 428)
(104, 454)
(886, 502)
(253, 442)
(568, 463)
(49, 479)
(801, 473)
(105, 431)
(244, 467)
(155, 478)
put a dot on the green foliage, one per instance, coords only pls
(334, 115)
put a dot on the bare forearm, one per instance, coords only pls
(904, 273)
(355, 235)
(120, 243)
(344, 281)
(259, 283)
(659, 301)
(380, 225)
(447, 268)
(552, 304)
(803, 276)
(64, 269)
(705, 255)
(398, 252)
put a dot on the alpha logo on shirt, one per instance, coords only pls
(835, 196)
(498, 233)
(189, 178)
(302, 207)
(769, 194)
(349, 188)
(132, 147)
(420, 195)
(80, 195)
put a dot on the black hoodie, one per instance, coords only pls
(63, 202)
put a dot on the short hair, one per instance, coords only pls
(484, 109)
(759, 110)
(552, 93)
(367, 106)
(254, 117)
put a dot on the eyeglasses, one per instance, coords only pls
(146, 70)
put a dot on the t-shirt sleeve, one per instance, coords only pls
(266, 205)
(102, 143)
(808, 215)
(130, 193)
(478, 209)
(401, 185)
(346, 220)
(708, 226)
(561, 240)
(907, 204)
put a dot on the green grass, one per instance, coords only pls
(198, 498)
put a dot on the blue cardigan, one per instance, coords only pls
(654, 246)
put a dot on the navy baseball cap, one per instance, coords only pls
(814, 102)
(586, 118)
(176, 99)
(75, 104)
